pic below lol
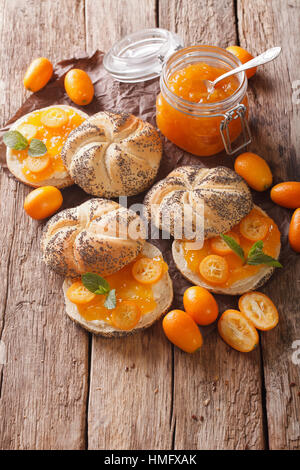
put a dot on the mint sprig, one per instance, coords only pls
(96, 284)
(255, 256)
(15, 140)
(37, 148)
(233, 245)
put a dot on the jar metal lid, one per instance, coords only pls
(140, 56)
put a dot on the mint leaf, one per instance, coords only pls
(233, 245)
(95, 283)
(256, 248)
(37, 148)
(110, 301)
(15, 140)
(262, 258)
(257, 256)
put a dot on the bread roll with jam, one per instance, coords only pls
(151, 300)
(52, 125)
(240, 278)
(99, 235)
(225, 195)
(113, 155)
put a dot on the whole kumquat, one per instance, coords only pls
(294, 231)
(38, 74)
(79, 87)
(286, 194)
(43, 202)
(201, 305)
(181, 330)
(244, 57)
(255, 171)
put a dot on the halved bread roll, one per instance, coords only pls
(219, 197)
(239, 287)
(162, 294)
(113, 155)
(99, 235)
(60, 179)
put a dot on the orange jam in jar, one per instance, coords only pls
(198, 121)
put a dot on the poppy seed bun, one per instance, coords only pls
(226, 197)
(111, 155)
(162, 293)
(99, 235)
(238, 288)
(59, 179)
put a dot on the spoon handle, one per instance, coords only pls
(261, 59)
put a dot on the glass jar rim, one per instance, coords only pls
(199, 52)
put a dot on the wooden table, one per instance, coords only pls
(62, 388)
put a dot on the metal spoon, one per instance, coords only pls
(261, 59)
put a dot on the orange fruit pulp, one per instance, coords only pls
(54, 139)
(236, 269)
(127, 289)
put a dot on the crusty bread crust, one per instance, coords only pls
(225, 195)
(162, 291)
(111, 155)
(238, 288)
(99, 235)
(60, 180)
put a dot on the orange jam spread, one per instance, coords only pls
(197, 135)
(188, 83)
(54, 139)
(127, 288)
(237, 269)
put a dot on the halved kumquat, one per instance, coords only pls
(79, 294)
(220, 247)
(147, 270)
(254, 227)
(126, 315)
(214, 269)
(237, 331)
(29, 131)
(54, 117)
(37, 164)
(259, 309)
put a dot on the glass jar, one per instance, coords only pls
(203, 129)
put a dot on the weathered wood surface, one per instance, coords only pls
(276, 136)
(228, 380)
(59, 391)
(43, 386)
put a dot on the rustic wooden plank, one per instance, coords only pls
(44, 383)
(276, 138)
(218, 384)
(107, 21)
(199, 21)
(127, 409)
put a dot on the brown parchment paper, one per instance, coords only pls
(138, 99)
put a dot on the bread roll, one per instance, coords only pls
(162, 293)
(238, 288)
(60, 179)
(225, 195)
(113, 155)
(99, 235)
